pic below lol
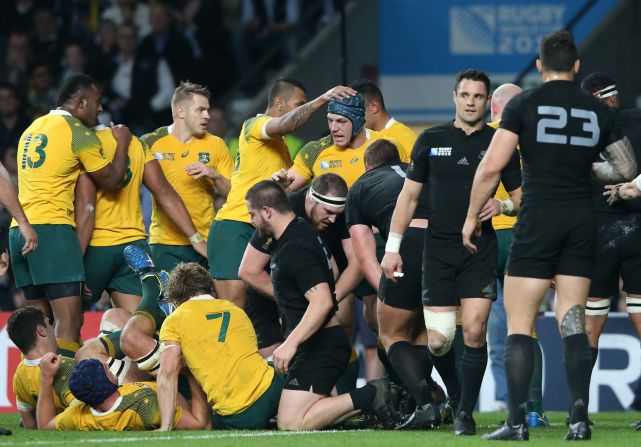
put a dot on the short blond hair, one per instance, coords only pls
(185, 92)
(186, 281)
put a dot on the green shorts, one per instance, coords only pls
(226, 246)
(107, 270)
(167, 257)
(504, 239)
(258, 414)
(364, 288)
(58, 258)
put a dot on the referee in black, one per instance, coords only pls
(561, 129)
(370, 203)
(444, 160)
(316, 349)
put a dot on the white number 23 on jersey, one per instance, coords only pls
(559, 120)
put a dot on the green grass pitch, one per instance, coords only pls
(610, 429)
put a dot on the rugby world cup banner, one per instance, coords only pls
(424, 43)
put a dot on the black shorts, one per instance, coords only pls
(617, 254)
(553, 240)
(406, 292)
(319, 362)
(263, 313)
(451, 273)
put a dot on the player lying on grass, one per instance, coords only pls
(107, 406)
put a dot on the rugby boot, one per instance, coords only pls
(463, 425)
(422, 419)
(507, 432)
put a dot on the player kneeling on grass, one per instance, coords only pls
(218, 343)
(107, 406)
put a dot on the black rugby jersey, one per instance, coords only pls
(562, 129)
(299, 262)
(445, 158)
(371, 200)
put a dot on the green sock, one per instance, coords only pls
(150, 294)
(111, 342)
(535, 392)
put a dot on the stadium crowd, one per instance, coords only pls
(240, 316)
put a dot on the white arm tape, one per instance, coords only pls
(637, 182)
(393, 244)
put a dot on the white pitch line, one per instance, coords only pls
(179, 437)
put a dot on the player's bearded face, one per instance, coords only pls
(197, 115)
(471, 101)
(323, 216)
(261, 224)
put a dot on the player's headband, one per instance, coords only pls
(88, 382)
(606, 92)
(352, 108)
(337, 202)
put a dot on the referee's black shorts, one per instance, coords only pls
(617, 254)
(406, 292)
(553, 240)
(320, 361)
(452, 273)
(263, 313)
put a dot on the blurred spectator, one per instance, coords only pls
(129, 11)
(16, 15)
(203, 25)
(18, 58)
(266, 23)
(165, 42)
(142, 87)
(74, 61)
(102, 59)
(42, 94)
(13, 119)
(48, 40)
(10, 161)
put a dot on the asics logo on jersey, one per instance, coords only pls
(440, 151)
(184, 154)
(354, 160)
(463, 161)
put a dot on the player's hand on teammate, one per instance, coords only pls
(121, 133)
(282, 178)
(50, 364)
(392, 265)
(622, 191)
(339, 92)
(491, 208)
(471, 227)
(199, 170)
(283, 355)
(30, 238)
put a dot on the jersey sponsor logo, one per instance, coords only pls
(204, 157)
(440, 151)
(463, 161)
(331, 164)
(184, 154)
(169, 156)
(353, 160)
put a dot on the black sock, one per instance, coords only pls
(363, 397)
(473, 365)
(519, 362)
(595, 354)
(578, 359)
(411, 369)
(389, 368)
(446, 367)
(150, 296)
(424, 354)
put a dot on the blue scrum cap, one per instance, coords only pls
(352, 108)
(89, 383)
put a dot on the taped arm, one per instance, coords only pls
(620, 164)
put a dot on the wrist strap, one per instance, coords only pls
(393, 244)
(195, 239)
